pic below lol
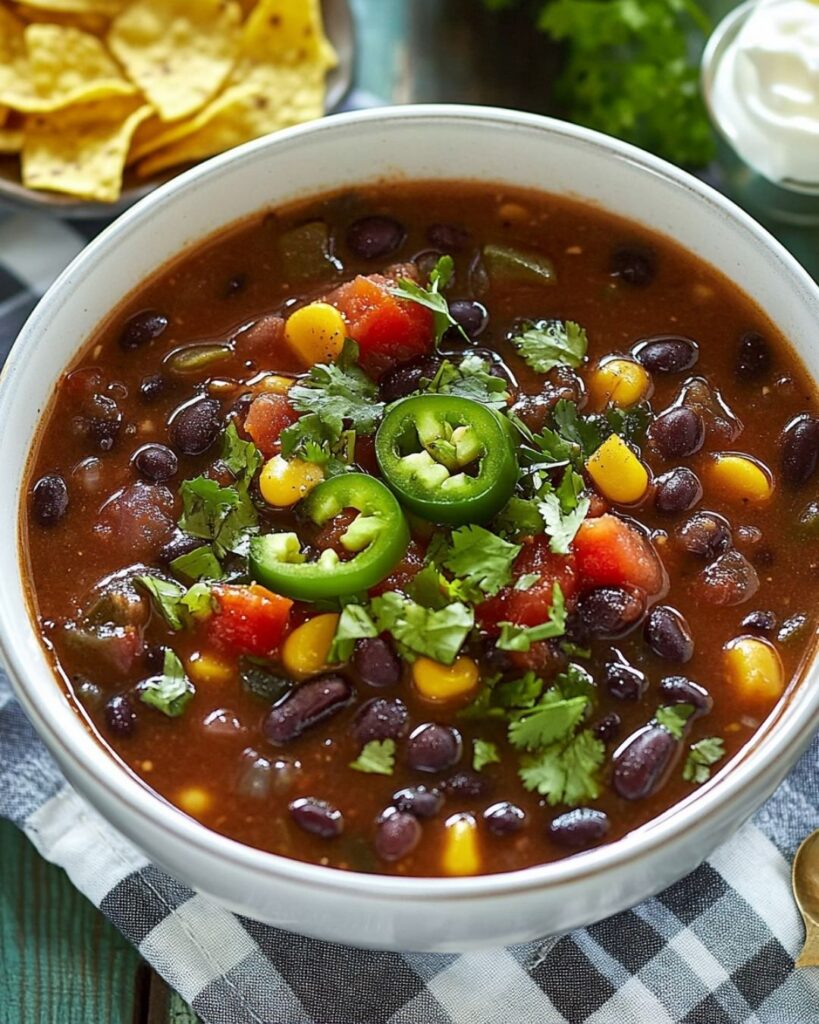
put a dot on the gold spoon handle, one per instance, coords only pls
(809, 957)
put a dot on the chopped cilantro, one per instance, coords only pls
(470, 379)
(354, 623)
(199, 564)
(549, 343)
(563, 510)
(519, 693)
(339, 393)
(225, 516)
(169, 692)
(585, 433)
(553, 718)
(519, 518)
(575, 682)
(674, 718)
(527, 580)
(198, 601)
(437, 634)
(242, 458)
(482, 559)
(313, 440)
(701, 756)
(566, 772)
(484, 753)
(167, 596)
(431, 297)
(429, 588)
(376, 758)
(521, 638)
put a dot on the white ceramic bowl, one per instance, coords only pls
(416, 142)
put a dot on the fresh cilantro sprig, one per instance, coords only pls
(482, 559)
(471, 378)
(674, 718)
(376, 758)
(563, 510)
(339, 393)
(177, 604)
(354, 623)
(568, 771)
(418, 631)
(224, 516)
(484, 752)
(431, 298)
(171, 691)
(702, 755)
(545, 344)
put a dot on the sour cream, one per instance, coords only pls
(765, 91)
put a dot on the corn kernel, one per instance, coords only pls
(618, 473)
(194, 800)
(438, 682)
(283, 483)
(304, 652)
(316, 332)
(461, 855)
(273, 384)
(621, 382)
(209, 670)
(754, 669)
(740, 477)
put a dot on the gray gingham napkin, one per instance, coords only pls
(716, 948)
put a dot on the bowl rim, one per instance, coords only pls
(786, 728)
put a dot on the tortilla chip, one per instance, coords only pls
(82, 150)
(269, 98)
(57, 67)
(287, 31)
(179, 52)
(11, 140)
(4, 114)
(97, 24)
(106, 8)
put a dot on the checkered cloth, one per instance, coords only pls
(716, 948)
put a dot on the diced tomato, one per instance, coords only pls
(329, 536)
(249, 620)
(532, 606)
(610, 552)
(404, 573)
(266, 418)
(544, 657)
(388, 330)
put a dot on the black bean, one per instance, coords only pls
(305, 707)
(504, 818)
(608, 727)
(317, 817)
(434, 748)
(380, 719)
(579, 828)
(753, 356)
(472, 316)
(178, 544)
(194, 426)
(49, 499)
(373, 238)
(642, 762)
(677, 432)
(760, 622)
(406, 379)
(800, 450)
(634, 264)
(142, 328)
(681, 690)
(611, 611)
(120, 715)
(448, 237)
(705, 534)
(155, 462)
(667, 353)
(152, 387)
(397, 835)
(728, 580)
(102, 422)
(668, 634)
(677, 490)
(421, 801)
(376, 663)
(623, 680)
(466, 784)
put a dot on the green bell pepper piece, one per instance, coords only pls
(378, 536)
(450, 460)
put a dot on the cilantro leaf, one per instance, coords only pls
(199, 564)
(484, 753)
(545, 344)
(225, 516)
(701, 756)
(437, 634)
(198, 602)
(519, 693)
(567, 772)
(527, 581)
(431, 298)
(174, 602)
(563, 511)
(553, 718)
(170, 692)
(429, 588)
(481, 558)
(631, 424)
(339, 393)
(588, 433)
(242, 458)
(521, 638)
(470, 379)
(354, 623)
(376, 758)
(519, 518)
(313, 440)
(575, 682)
(674, 718)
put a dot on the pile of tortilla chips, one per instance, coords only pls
(89, 88)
